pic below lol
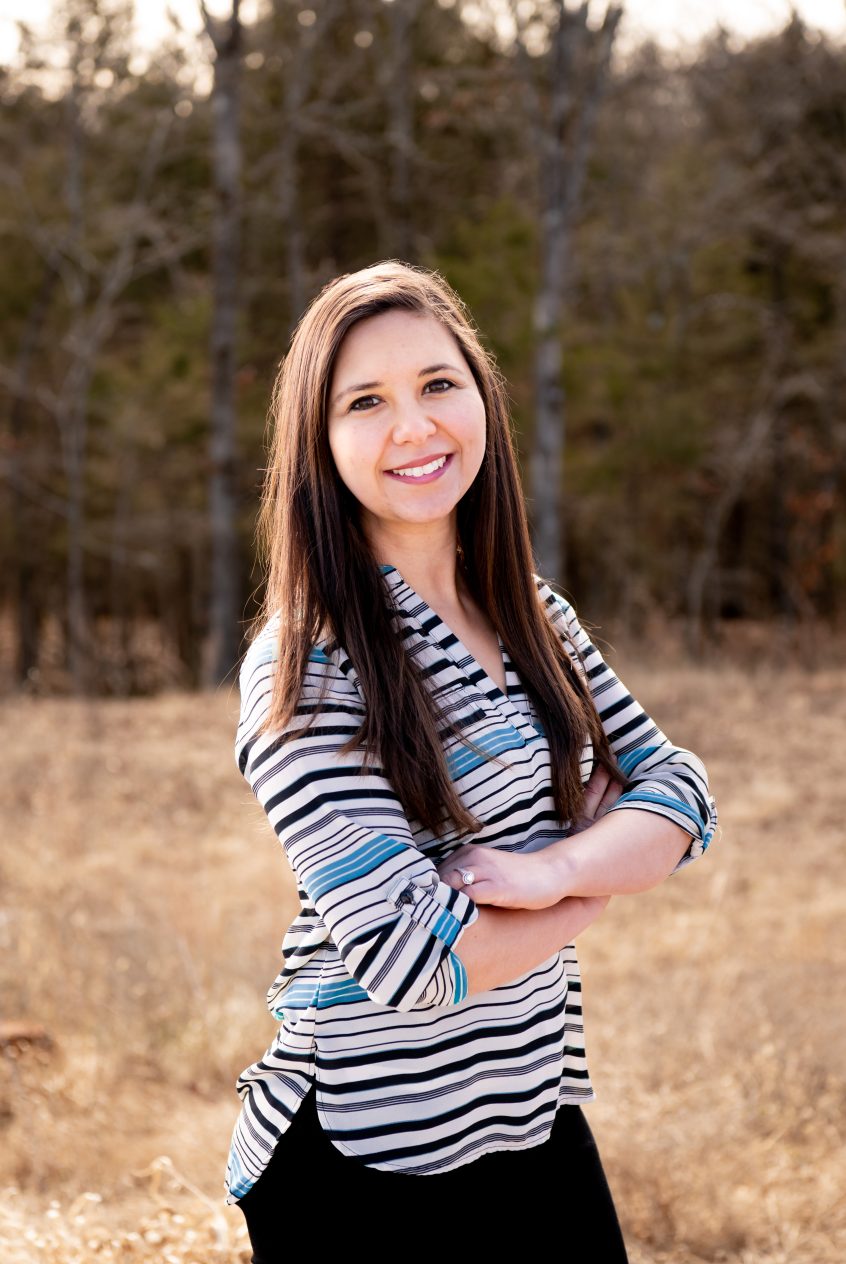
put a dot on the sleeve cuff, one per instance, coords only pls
(653, 800)
(446, 913)
(435, 905)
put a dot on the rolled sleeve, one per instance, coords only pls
(430, 903)
(662, 778)
(395, 925)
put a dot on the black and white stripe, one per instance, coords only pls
(412, 1074)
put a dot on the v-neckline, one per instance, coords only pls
(430, 623)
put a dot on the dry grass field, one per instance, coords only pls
(144, 898)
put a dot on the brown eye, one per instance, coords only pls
(361, 398)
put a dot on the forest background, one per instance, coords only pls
(653, 247)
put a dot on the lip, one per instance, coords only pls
(412, 481)
(409, 465)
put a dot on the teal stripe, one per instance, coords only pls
(298, 995)
(465, 760)
(239, 1180)
(627, 762)
(317, 655)
(355, 864)
(460, 979)
(644, 796)
(341, 992)
(446, 927)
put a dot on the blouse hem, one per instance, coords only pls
(569, 1098)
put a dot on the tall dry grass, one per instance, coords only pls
(144, 899)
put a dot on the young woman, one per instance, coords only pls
(459, 782)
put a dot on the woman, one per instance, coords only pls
(459, 782)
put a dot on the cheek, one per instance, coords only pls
(352, 454)
(342, 448)
(476, 430)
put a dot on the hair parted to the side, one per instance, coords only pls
(324, 580)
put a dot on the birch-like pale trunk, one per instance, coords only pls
(576, 68)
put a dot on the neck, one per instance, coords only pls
(432, 569)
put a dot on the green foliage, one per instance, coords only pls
(706, 276)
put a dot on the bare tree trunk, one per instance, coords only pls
(92, 288)
(291, 216)
(120, 602)
(89, 330)
(226, 36)
(297, 86)
(739, 461)
(577, 65)
(400, 132)
(74, 400)
(779, 518)
(186, 614)
(75, 433)
(22, 526)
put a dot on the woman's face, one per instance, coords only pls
(402, 396)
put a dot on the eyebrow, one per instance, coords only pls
(366, 386)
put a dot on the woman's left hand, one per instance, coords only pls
(509, 879)
(527, 880)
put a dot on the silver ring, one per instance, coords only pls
(468, 877)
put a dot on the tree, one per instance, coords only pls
(564, 64)
(778, 110)
(227, 39)
(94, 267)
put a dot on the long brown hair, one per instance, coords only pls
(325, 582)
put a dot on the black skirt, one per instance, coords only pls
(312, 1194)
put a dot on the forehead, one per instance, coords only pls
(392, 341)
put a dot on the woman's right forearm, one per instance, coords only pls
(504, 943)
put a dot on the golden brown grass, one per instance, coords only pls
(144, 899)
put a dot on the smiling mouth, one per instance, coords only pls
(423, 473)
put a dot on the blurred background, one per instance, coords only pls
(643, 207)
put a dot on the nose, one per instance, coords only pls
(413, 425)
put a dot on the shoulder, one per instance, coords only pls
(263, 648)
(324, 669)
(325, 692)
(555, 604)
(562, 615)
(557, 609)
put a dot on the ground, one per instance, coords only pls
(144, 899)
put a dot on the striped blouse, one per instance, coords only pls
(412, 1074)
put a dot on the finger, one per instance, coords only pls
(612, 793)
(485, 891)
(454, 877)
(597, 774)
(487, 883)
(595, 788)
(477, 877)
(459, 861)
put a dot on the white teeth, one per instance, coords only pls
(417, 470)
